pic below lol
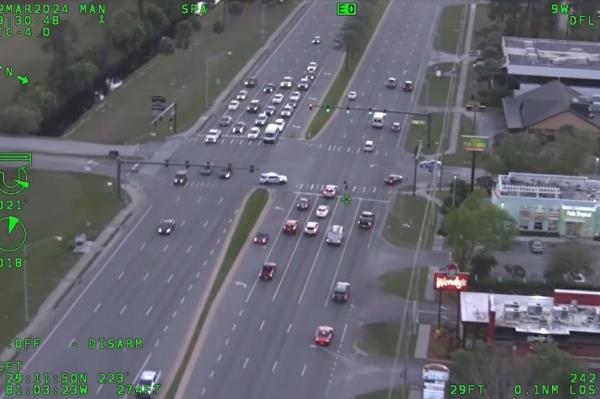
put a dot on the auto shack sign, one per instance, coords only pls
(450, 279)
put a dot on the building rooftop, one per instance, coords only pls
(551, 58)
(516, 184)
(535, 314)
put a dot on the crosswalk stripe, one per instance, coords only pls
(353, 188)
(364, 189)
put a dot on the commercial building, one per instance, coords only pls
(552, 205)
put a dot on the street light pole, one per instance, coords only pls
(206, 82)
(429, 130)
(596, 166)
(453, 190)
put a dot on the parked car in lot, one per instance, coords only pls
(515, 271)
(536, 246)
(391, 180)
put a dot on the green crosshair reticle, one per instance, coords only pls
(346, 199)
(14, 160)
(13, 234)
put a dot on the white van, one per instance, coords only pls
(377, 121)
(271, 133)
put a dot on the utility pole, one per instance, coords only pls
(118, 178)
(417, 154)
(453, 190)
(429, 130)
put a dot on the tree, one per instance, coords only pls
(196, 25)
(572, 257)
(166, 46)
(19, 119)
(128, 32)
(461, 190)
(517, 152)
(61, 44)
(478, 223)
(39, 97)
(482, 264)
(183, 33)
(79, 76)
(235, 8)
(218, 27)
(156, 20)
(550, 365)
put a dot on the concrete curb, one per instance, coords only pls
(106, 239)
(218, 297)
(282, 30)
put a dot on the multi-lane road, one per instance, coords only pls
(258, 343)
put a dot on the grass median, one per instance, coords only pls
(55, 208)
(250, 214)
(397, 282)
(449, 28)
(341, 81)
(403, 223)
(380, 339)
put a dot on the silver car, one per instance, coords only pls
(335, 234)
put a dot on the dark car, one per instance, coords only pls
(225, 121)
(206, 170)
(180, 178)
(515, 271)
(366, 220)
(225, 173)
(303, 204)
(267, 272)
(290, 227)
(261, 238)
(341, 292)
(269, 88)
(390, 180)
(408, 85)
(250, 82)
(166, 226)
(254, 107)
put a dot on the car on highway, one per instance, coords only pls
(270, 110)
(303, 204)
(408, 85)
(225, 173)
(166, 226)
(311, 76)
(316, 39)
(294, 96)
(323, 335)
(181, 178)
(330, 191)
(396, 127)
(272, 178)
(213, 136)
(238, 127)
(267, 271)
(206, 170)
(391, 180)
(430, 164)
(254, 133)
(536, 246)
(277, 98)
(242, 94)
(366, 220)
(341, 292)
(261, 119)
(287, 111)
(250, 82)
(335, 235)
(304, 84)
(281, 123)
(322, 211)
(254, 106)
(291, 103)
(369, 146)
(225, 120)
(269, 88)
(312, 67)
(287, 82)
(233, 105)
(352, 95)
(290, 226)
(390, 83)
(148, 383)
(311, 228)
(261, 238)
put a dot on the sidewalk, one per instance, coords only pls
(64, 147)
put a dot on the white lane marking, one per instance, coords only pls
(145, 276)
(190, 287)
(187, 251)
(303, 370)
(234, 327)
(203, 391)
(224, 231)
(343, 333)
(142, 246)
(262, 324)
(218, 241)
(182, 300)
(71, 342)
(174, 314)
(170, 278)
(240, 284)
(97, 307)
(205, 263)
(212, 372)
(227, 342)
(165, 248)
(120, 275)
(205, 223)
(274, 367)
(198, 200)
(183, 222)
(246, 362)
(289, 328)
(157, 343)
(198, 275)
(220, 200)
(178, 198)
(374, 190)
(166, 328)
(219, 357)
(99, 388)
(241, 312)
(123, 309)
(230, 221)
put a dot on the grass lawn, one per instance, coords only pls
(396, 282)
(380, 339)
(403, 223)
(125, 114)
(396, 394)
(341, 81)
(418, 132)
(435, 90)
(252, 210)
(449, 28)
(56, 204)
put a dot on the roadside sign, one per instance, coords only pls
(474, 143)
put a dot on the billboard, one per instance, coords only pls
(474, 143)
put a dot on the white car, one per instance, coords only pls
(261, 120)
(369, 146)
(254, 133)
(287, 111)
(322, 211)
(277, 98)
(311, 229)
(352, 95)
(147, 384)
(330, 191)
(281, 123)
(238, 127)
(287, 82)
(272, 178)
(242, 94)
(294, 96)
(213, 136)
(312, 67)
(233, 105)
(316, 39)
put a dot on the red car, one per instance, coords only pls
(261, 238)
(303, 204)
(290, 227)
(324, 335)
(267, 272)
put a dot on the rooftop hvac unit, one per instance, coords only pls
(511, 312)
(581, 60)
(531, 57)
(534, 310)
(557, 61)
(596, 97)
(560, 313)
(528, 43)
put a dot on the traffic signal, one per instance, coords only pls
(385, 112)
(327, 109)
(310, 107)
(166, 163)
(208, 164)
(370, 111)
(187, 164)
(347, 110)
(229, 166)
(251, 168)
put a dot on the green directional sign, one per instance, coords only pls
(474, 143)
